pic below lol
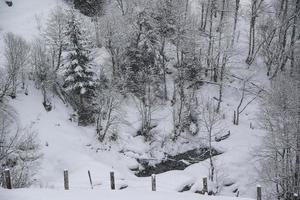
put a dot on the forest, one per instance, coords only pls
(184, 73)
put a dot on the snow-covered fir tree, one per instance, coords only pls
(79, 78)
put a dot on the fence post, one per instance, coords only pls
(258, 190)
(7, 179)
(66, 179)
(91, 182)
(153, 182)
(205, 188)
(112, 180)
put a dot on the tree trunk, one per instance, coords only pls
(108, 120)
(210, 44)
(206, 14)
(296, 13)
(254, 10)
(212, 168)
(224, 61)
(297, 161)
(162, 53)
(237, 6)
(59, 58)
(220, 29)
(97, 31)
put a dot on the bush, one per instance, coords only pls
(19, 150)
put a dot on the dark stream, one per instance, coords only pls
(177, 162)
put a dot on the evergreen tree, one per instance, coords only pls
(90, 8)
(79, 78)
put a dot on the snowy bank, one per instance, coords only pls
(47, 194)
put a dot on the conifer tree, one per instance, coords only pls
(79, 78)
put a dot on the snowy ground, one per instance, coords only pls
(34, 194)
(66, 146)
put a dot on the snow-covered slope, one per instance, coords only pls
(66, 146)
(34, 194)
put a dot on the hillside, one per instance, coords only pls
(127, 150)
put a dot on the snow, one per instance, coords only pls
(78, 68)
(82, 90)
(24, 17)
(48, 194)
(76, 149)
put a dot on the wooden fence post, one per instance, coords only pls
(112, 180)
(66, 179)
(90, 177)
(251, 126)
(7, 179)
(258, 190)
(205, 188)
(153, 182)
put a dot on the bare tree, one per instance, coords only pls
(19, 150)
(247, 97)
(279, 154)
(236, 12)
(44, 74)
(293, 35)
(108, 108)
(224, 50)
(211, 66)
(55, 36)
(115, 34)
(5, 84)
(224, 62)
(210, 121)
(16, 54)
(255, 10)
(125, 6)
